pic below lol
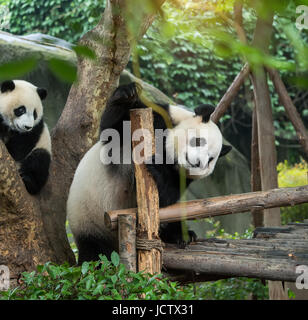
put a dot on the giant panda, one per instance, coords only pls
(98, 187)
(24, 131)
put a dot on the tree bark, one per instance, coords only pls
(23, 242)
(33, 228)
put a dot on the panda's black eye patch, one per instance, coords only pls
(20, 111)
(34, 114)
(197, 142)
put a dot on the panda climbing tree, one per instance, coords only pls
(37, 232)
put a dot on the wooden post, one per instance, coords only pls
(149, 260)
(127, 241)
(266, 136)
(255, 178)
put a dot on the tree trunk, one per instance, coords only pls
(23, 242)
(33, 228)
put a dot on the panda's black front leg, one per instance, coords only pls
(168, 184)
(34, 170)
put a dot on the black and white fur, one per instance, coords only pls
(24, 131)
(97, 187)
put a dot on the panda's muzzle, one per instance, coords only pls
(193, 165)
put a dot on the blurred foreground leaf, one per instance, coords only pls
(16, 69)
(64, 70)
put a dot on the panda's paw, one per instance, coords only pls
(192, 237)
(127, 92)
(30, 185)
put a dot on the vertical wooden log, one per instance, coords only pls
(147, 194)
(127, 241)
(257, 214)
(266, 137)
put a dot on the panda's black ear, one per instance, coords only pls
(204, 110)
(224, 150)
(8, 85)
(42, 93)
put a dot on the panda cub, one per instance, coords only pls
(24, 131)
(98, 187)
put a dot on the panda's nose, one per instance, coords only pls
(28, 128)
(194, 164)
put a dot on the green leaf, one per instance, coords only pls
(17, 69)
(85, 52)
(115, 259)
(64, 70)
(84, 267)
(114, 279)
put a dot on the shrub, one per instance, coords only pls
(100, 280)
(293, 176)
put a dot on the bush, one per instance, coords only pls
(100, 280)
(293, 176)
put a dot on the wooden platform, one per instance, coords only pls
(272, 254)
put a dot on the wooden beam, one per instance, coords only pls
(291, 110)
(230, 94)
(229, 265)
(273, 256)
(147, 193)
(217, 206)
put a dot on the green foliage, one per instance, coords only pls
(13, 70)
(234, 289)
(101, 280)
(293, 176)
(65, 19)
(66, 71)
